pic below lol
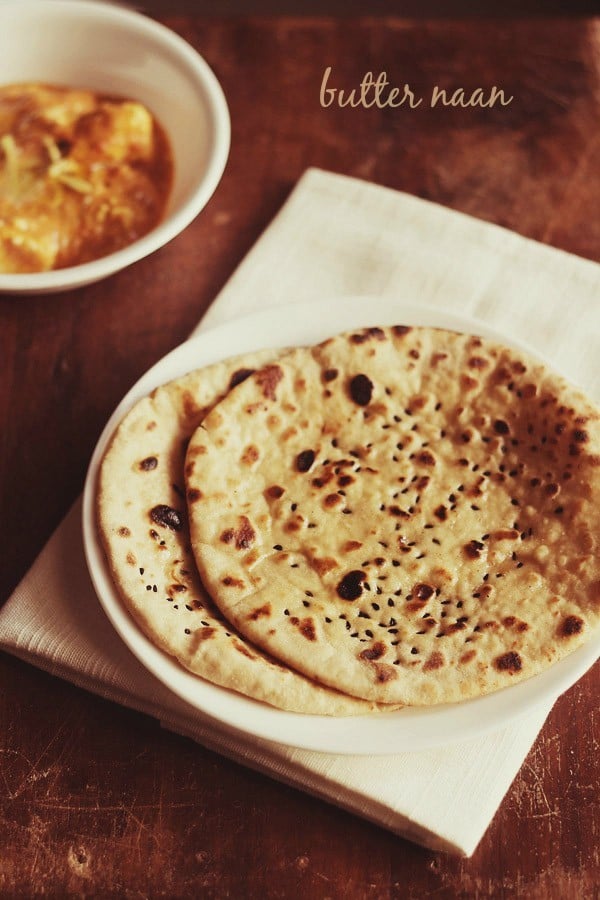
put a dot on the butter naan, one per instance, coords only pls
(406, 514)
(143, 525)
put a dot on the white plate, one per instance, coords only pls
(407, 729)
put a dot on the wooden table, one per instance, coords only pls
(97, 800)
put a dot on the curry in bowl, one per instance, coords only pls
(82, 175)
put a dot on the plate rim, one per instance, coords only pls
(411, 728)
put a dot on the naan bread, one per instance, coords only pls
(406, 514)
(143, 524)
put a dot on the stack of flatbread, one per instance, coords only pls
(397, 516)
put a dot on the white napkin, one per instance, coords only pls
(336, 236)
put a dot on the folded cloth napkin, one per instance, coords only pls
(337, 236)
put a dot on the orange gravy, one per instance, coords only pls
(81, 175)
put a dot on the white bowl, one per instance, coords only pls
(112, 50)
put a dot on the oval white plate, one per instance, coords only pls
(412, 728)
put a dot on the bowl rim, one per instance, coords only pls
(218, 151)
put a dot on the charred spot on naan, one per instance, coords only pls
(167, 517)
(571, 625)
(509, 662)
(148, 464)
(360, 388)
(239, 376)
(267, 379)
(241, 537)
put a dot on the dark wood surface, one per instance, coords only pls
(97, 800)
